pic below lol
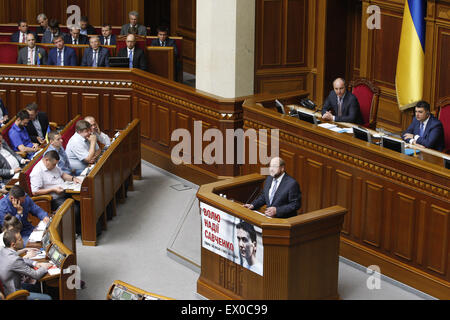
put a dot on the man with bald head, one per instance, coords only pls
(135, 54)
(341, 106)
(31, 54)
(95, 56)
(281, 193)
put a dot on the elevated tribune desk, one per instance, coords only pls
(297, 258)
(398, 205)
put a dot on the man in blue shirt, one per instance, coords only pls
(18, 135)
(19, 204)
(56, 142)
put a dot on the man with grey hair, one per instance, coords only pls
(281, 193)
(95, 56)
(43, 23)
(75, 37)
(133, 26)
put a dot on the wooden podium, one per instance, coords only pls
(300, 254)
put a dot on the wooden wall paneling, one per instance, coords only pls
(357, 209)
(163, 131)
(27, 97)
(296, 37)
(404, 218)
(373, 213)
(121, 106)
(59, 107)
(90, 105)
(388, 199)
(438, 241)
(94, 11)
(75, 107)
(328, 187)
(43, 104)
(343, 192)
(105, 119)
(421, 232)
(144, 113)
(183, 23)
(115, 12)
(314, 178)
(443, 62)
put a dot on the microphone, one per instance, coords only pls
(252, 195)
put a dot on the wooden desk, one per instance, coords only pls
(120, 290)
(395, 202)
(116, 166)
(300, 255)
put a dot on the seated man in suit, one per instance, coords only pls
(95, 56)
(82, 149)
(85, 28)
(53, 32)
(133, 25)
(10, 162)
(43, 23)
(19, 204)
(13, 268)
(61, 55)
(21, 35)
(32, 55)
(56, 144)
(4, 118)
(107, 38)
(281, 193)
(19, 137)
(38, 126)
(341, 106)
(75, 37)
(164, 41)
(136, 55)
(425, 130)
(101, 137)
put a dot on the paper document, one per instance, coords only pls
(70, 185)
(53, 271)
(327, 125)
(16, 176)
(41, 226)
(41, 255)
(36, 236)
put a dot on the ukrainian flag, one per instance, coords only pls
(411, 56)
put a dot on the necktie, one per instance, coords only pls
(421, 129)
(23, 38)
(107, 41)
(58, 59)
(274, 189)
(340, 107)
(163, 44)
(94, 62)
(131, 59)
(75, 41)
(30, 59)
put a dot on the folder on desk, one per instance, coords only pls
(410, 152)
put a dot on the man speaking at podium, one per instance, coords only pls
(281, 193)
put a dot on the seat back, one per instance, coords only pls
(368, 97)
(443, 114)
(9, 53)
(5, 131)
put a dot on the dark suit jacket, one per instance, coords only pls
(47, 37)
(2, 106)
(70, 57)
(169, 43)
(141, 30)
(15, 36)
(91, 30)
(82, 39)
(5, 168)
(102, 60)
(139, 58)
(112, 40)
(287, 199)
(433, 136)
(43, 120)
(350, 108)
(22, 58)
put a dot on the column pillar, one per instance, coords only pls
(226, 47)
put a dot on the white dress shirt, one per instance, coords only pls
(278, 180)
(13, 163)
(42, 178)
(416, 137)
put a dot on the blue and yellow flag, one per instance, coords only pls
(411, 55)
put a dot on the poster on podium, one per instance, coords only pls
(232, 238)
